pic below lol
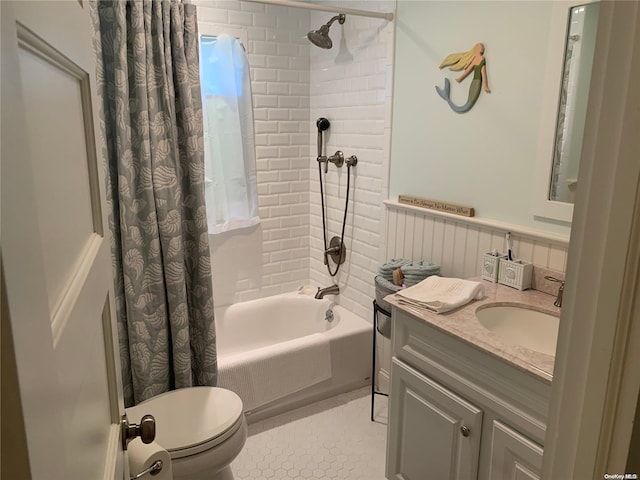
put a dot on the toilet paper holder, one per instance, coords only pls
(153, 469)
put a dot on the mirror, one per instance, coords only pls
(572, 108)
(560, 148)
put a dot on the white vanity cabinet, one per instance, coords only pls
(513, 456)
(457, 412)
(452, 448)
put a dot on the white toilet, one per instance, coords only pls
(202, 428)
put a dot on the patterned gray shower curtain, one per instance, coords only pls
(148, 80)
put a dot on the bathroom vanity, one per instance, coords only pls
(467, 402)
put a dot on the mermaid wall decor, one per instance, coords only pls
(473, 60)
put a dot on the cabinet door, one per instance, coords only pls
(433, 433)
(513, 456)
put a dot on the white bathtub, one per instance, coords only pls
(271, 324)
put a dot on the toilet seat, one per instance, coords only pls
(192, 420)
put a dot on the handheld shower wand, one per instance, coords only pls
(322, 124)
(337, 158)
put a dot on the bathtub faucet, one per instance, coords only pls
(332, 290)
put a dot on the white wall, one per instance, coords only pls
(273, 257)
(293, 84)
(351, 86)
(435, 153)
(485, 158)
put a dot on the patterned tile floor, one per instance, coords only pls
(330, 439)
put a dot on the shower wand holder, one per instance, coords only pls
(337, 159)
(337, 251)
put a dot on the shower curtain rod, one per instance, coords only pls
(326, 8)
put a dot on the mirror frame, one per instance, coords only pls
(559, 28)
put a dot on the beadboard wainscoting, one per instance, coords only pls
(457, 243)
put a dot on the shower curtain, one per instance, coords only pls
(148, 80)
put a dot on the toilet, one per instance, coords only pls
(202, 428)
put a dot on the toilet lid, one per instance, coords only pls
(190, 416)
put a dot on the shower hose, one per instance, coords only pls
(324, 223)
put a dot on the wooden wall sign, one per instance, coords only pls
(436, 205)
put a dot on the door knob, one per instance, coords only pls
(146, 430)
(466, 431)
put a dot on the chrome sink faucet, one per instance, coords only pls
(558, 302)
(331, 290)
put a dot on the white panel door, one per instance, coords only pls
(56, 259)
(513, 456)
(433, 433)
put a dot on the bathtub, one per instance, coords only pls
(271, 326)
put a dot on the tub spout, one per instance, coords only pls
(332, 290)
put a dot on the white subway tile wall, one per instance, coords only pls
(350, 85)
(293, 84)
(272, 257)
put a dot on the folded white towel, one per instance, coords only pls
(439, 294)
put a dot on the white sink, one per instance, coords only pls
(520, 326)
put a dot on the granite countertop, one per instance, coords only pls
(462, 324)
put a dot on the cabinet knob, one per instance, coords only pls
(466, 431)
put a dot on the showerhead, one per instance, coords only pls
(320, 37)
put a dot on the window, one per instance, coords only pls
(229, 147)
